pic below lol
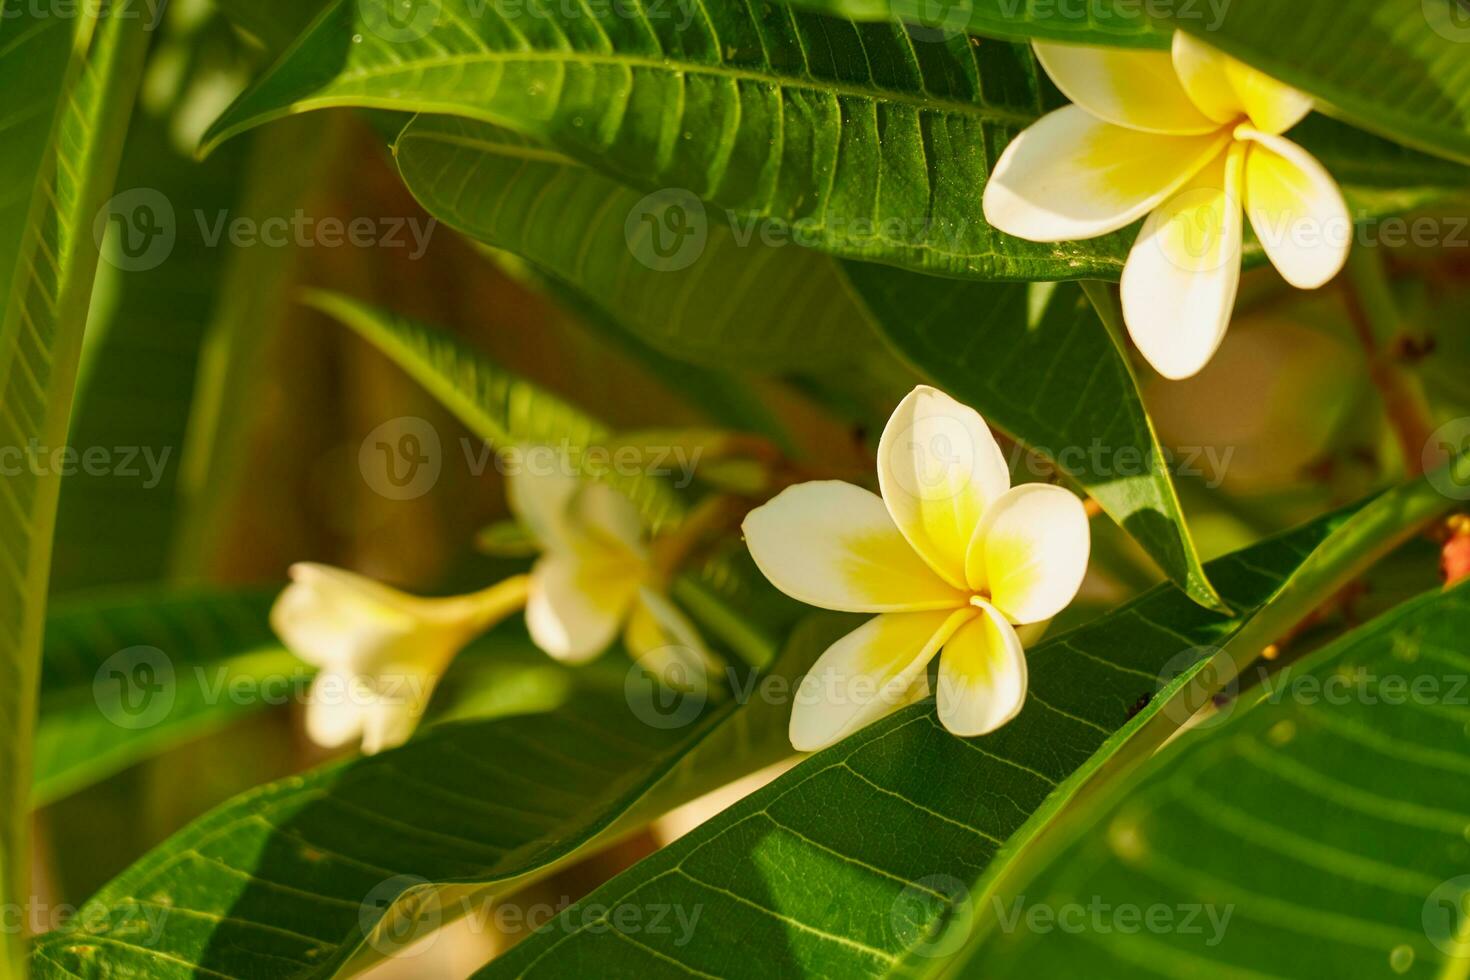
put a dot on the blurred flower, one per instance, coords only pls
(1189, 140)
(596, 575)
(950, 557)
(379, 651)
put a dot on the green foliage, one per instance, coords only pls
(1362, 741)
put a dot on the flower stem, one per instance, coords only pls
(502, 599)
(1378, 325)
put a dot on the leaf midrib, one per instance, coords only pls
(985, 110)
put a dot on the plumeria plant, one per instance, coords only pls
(721, 488)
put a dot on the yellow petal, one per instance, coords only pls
(663, 640)
(834, 545)
(575, 607)
(1205, 75)
(939, 468)
(1136, 89)
(1030, 553)
(1297, 210)
(869, 673)
(1071, 176)
(982, 676)
(1230, 90)
(1180, 282)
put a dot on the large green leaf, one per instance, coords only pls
(1398, 67)
(866, 143)
(1319, 831)
(289, 879)
(719, 301)
(1053, 377)
(846, 865)
(503, 409)
(49, 266)
(127, 676)
(1112, 22)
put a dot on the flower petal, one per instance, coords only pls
(982, 676)
(867, 674)
(1180, 282)
(333, 716)
(1204, 73)
(1030, 553)
(1297, 210)
(1229, 90)
(662, 638)
(1070, 176)
(575, 607)
(1136, 89)
(834, 545)
(939, 467)
(602, 515)
(541, 497)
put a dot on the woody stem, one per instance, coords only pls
(1377, 323)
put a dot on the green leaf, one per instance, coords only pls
(1259, 823)
(49, 260)
(845, 865)
(501, 408)
(128, 676)
(1111, 22)
(716, 300)
(288, 879)
(857, 138)
(1397, 67)
(1051, 377)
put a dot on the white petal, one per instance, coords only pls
(1273, 107)
(1071, 176)
(1297, 211)
(1030, 553)
(662, 638)
(939, 467)
(334, 717)
(604, 516)
(540, 496)
(394, 713)
(867, 674)
(1136, 89)
(1180, 282)
(575, 607)
(834, 545)
(982, 676)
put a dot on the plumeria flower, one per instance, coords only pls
(1188, 139)
(597, 575)
(950, 557)
(379, 651)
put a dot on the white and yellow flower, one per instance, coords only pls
(379, 651)
(950, 557)
(597, 575)
(1189, 139)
